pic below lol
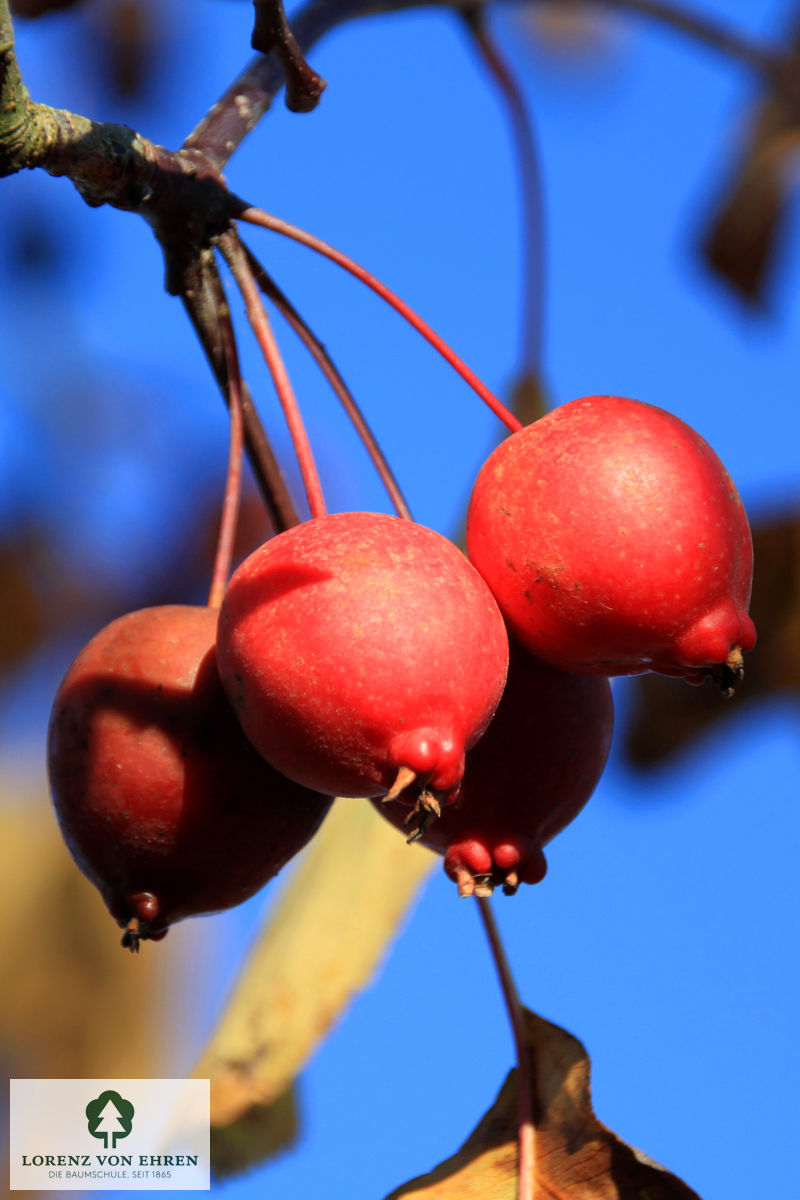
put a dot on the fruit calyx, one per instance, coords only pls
(137, 931)
(422, 813)
(507, 865)
(728, 674)
(134, 932)
(143, 924)
(433, 781)
(434, 756)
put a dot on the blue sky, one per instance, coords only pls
(663, 935)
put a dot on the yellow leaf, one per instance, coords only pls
(577, 1157)
(68, 987)
(323, 942)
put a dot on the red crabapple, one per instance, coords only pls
(530, 774)
(361, 650)
(162, 801)
(615, 542)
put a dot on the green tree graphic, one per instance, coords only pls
(109, 1116)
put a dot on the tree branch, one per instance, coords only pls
(112, 164)
(206, 305)
(272, 31)
(769, 61)
(107, 163)
(249, 97)
(34, 135)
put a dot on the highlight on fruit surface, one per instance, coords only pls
(531, 773)
(615, 542)
(161, 799)
(362, 652)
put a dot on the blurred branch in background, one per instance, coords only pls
(528, 401)
(126, 36)
(745, 235)
(717, 36)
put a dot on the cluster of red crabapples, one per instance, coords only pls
(193, 751)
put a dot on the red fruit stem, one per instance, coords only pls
(527, 1150)
(259, 321)
(527, 156)
(203, 301)
(233, 483)
(257, 216)
(324, 361)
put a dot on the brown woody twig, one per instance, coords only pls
(272, 31)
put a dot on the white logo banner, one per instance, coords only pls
(106, 1134)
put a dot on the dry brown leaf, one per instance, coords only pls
(322, 943)
(666, 714)
(744, 237)
(576, 1155)
(743, 242)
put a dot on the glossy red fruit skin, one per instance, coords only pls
(162, 801)
(359, 643)
(531, 773)
(615, 542)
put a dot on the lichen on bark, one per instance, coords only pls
(106, 162)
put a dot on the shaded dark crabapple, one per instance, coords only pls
(530, 774)
(161, 799)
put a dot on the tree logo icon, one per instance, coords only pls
(110, 1116)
